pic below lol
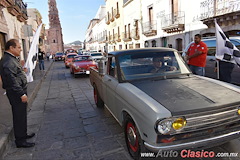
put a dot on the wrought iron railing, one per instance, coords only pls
(212, 8)
(149, 26)
(173, 19)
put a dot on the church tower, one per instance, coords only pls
(55, 40)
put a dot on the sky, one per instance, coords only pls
(74, 16)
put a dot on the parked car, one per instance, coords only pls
(81, 65)
(68, 59)
(171, 109)
(96, 56)
(211, 60)
(59, 57)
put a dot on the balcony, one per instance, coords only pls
(225, 11)
(107, 20)
(7, 3)
(150, 28)
(173, 22)
(103, 39)
(18, 9)
(135, 34)
(117, 37)
(111, 17)
(116, 13)
(126, 36)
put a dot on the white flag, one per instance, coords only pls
(226, 50)
(32, 55)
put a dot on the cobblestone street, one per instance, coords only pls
(68, 125)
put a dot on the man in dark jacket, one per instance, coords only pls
(15, 82)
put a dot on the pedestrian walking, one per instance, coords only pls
(41, 59)
(196, 56)
(15, 83)
(48, 56)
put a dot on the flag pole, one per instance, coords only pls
(217, 61)
(218, 76)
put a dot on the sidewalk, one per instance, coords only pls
(5, 108)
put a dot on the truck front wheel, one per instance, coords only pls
(133, 140)
(98, 101)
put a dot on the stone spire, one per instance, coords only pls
(55, 40)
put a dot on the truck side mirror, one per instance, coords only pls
(101, 67)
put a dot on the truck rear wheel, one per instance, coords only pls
(98, 101)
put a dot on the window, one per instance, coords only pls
(136, 26)
(174, 10)
(112, 67)
(125, 35)
(117, 8)
(150, 14)
(118, 32)
(137, 45)
(113, 35)
(129, 31)
(154, 44)
(2, 44)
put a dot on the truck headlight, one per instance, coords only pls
(179, 123)
(165, 126)
(76, 67)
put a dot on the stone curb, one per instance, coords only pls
(6, 138)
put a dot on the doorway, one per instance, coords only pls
(179, 44)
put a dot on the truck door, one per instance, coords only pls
(110, 81)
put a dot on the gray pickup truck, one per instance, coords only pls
(162, 105)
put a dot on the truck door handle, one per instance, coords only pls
(211, 60)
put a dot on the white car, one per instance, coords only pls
(211, 60)
(96, 56)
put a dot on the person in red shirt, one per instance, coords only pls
(196, 56)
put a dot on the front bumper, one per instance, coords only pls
(203, 143)
(82, 72)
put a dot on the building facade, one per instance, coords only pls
(54, 36)
(166, 23)
(13, 16)
(33, 22)
(95, 38)
(226, 12)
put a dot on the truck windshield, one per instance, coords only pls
(151, 64)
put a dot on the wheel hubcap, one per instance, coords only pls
(132, 137)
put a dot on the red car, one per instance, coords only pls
(59, 57)
(81, 65)
(68, 59)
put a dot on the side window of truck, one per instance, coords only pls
(112, 67)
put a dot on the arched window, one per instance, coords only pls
(154, 44)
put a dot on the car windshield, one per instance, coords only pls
(71, 56)
(59, 54)
(152, 64)
(96, 54)
(82, 58)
